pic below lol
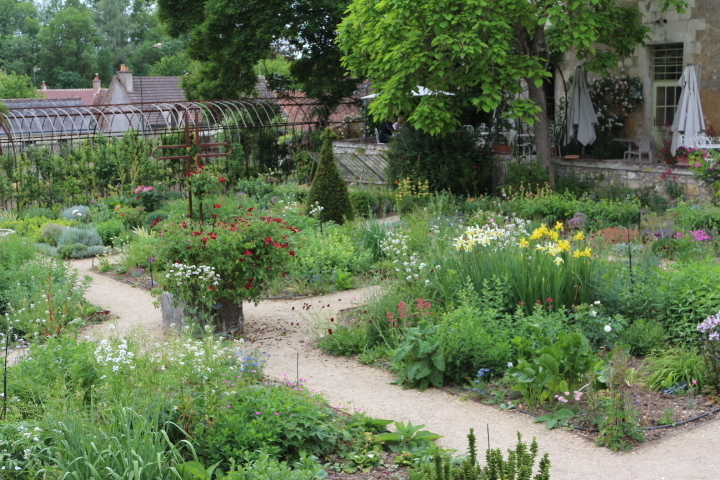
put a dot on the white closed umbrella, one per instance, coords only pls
(688, 121)
(581, 117)
(419, 91)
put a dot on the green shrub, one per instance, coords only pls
(472, 338)
(51, 233)
(110, 229)
(328, 251)
(343, 341)
(328, 188)
(37, 212)
(643, 336)
(689, 294)
(83, 236)
(154, 217)
(692, 216)
(455, 162)
(281, 421)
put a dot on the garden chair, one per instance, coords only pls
(644, 147)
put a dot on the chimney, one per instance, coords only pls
(43, 86)
(125, 77)
(96, 84)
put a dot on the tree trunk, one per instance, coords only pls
(543, 145)
(229, 317)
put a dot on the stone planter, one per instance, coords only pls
(502, 149)
(228, 316)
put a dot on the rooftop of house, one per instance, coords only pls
(157, 90)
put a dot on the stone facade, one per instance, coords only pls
(605, 173)
(696, 30)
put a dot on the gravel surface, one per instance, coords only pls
(285, 330)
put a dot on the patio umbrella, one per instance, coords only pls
(688, 121)
(418, 92)
(581, 117)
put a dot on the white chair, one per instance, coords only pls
(644, 147)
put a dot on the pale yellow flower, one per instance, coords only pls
(558, 260)
(524, 243)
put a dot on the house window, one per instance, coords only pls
(667, 67)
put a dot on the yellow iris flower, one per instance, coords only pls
(579, 236)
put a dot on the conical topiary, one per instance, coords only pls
(328, 188)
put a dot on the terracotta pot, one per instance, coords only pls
(502, 149)
(681, 160)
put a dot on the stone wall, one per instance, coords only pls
(605, 173)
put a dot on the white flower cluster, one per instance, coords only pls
(492, 235)
(203, 273)
(199, 356)
(316, 209)
(409, 265)
(117, 356)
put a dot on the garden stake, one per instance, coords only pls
(5, 366)
(488, 433)
(297, 367)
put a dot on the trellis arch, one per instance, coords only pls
(53, 126)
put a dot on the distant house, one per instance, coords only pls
(88, 96)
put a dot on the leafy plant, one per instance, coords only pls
(419, 361)
(555, 367)
(556, 418)
(408, 438)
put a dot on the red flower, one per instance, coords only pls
(197, 234)
(222, 179)
(250, 209)
(248, 286)
(204, 240)
(213, 236)
(217, 205)
(213, 215)
(330, 331)
(212, 288)
(292, 253)
(248, 252)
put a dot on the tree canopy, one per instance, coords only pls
(488, 47)
(16, 86)
(230, 37)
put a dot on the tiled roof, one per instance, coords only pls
(87, 95)
(43, 102)
(157, 90)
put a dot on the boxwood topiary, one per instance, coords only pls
(328, 188)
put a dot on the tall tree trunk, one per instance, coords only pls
(543, 145)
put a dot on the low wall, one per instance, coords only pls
(604, 173)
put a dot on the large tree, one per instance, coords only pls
(230, 37)
(68, 46)
(19, 26)
(492, 47)
(16, 86)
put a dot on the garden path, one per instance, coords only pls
(285, 330)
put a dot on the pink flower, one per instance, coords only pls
(148, 189)
(139, 189)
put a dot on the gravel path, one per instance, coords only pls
(273, 327)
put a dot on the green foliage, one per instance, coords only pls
(408, 438)
(519, 464)
(83, 236)
(675, 366)
(343, 341)
(559, 366)
(328, 188)
(16, 86)
(558, 417)
(329, 251)
(692, 216)
(420, 361)
(473, 337)
(643, 337)
(617, 422)
(689, 295)
(109, 230)
(529, 175)
(454, 163)
(281, 421)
